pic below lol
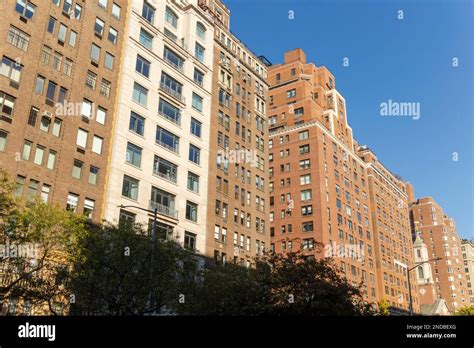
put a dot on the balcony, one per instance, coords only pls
(163, 210)
(171, 92)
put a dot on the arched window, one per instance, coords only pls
(200, 30)
(171, 17)
(421, 274)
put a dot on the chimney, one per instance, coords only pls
(295, 55)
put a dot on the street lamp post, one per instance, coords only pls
(153, 236)
(409, 281)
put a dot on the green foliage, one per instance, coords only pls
(384, 305)
(466, 310)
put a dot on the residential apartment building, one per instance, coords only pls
(318, 184)
(438, 231)
(163, 123)
(58, 79)
(467, 248)
(237, 217)
(392, 233)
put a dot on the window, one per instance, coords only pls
(68, 67)
(11, 69)
(7, 104)
(167, 139)
(3, 140)
(77, 169)
(191, 211)
(171, 17)
(146, 39)
(51, 24)
(307, 226)
(91, 79)
(51, 91)
(51, 159)
(95, 53)
(304, 149)
(171, 86)
(62, 33)
(134, 155)
(81, 139)
(130, 187)
(45, 192)
(172, 58)
(291, 93)
(89, 207)
(142, 66)
(193, 182)
(306, 195)
(101, 115)
(72, 38)
(77, 12)
(113, 35)
(140, 94)
(200, 30)
(20, 183)
(45, 55)
(44, 124)
(32, 189)
(126, 217)
(93, 175)
(199, 52)
(194, 154)
(197, 102)
(25, 153)
(86, 109)
(18, 38)
(169, 111)
(105, 87)
(190, 241)
(116, 10)
(67, 6)
(103, 4)
(97, 144)
(195, 127)
(39, 155)
(165, 169)
(137, 123)
(62, 95)
(109, 61)
(198, 77)
(305, 179)
(72, 200)
(148, 12)
(39, 85)
(303, 135)
(25, 8)
(57, 60)
(99, 26)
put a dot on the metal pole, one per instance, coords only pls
(409, 292)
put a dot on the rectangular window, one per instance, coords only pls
(197, 102)
(116, 9)
(7, 104)
(137, 123)
(95, 53)
(18, 38)
(62, 33)
(165, 169)
(140, 94)
(196, 127)
(51, 160)
(171, 87)
(32, 189)
(101, 115)
(142, 66)
(191, 211)
(99, 26)
(194, 154)
(25, 8)
(146, 39)
(199, 52)
(193, 182)
(89, 207)
(45, 193)
(134, 155)
(167, 139)
(51, 24)
(72, 38)
(11, 69)
(130, 187)
(172, 58)
(51, 91)
(169, 111)
(72, 201)
(3, 140)
(109, 61)
(39, 155)
(198, 77)
(93, 175)
(97, 144)
(77, 169)
(148, 12)
(113, 35)
(81, 139)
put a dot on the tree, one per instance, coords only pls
(280, 284)
(119, 270)
(384, 305)
(466, 310)
(35, 265)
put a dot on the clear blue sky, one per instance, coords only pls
(407, 60)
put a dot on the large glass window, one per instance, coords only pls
(130, 187)
(173, 58)
(167, 139)
(196, 127)
(171, 17)
(169, 111)
(140, 94)
(134, 155)
(197, 102)
(194, 154)
(165, 169)
(199, 52)
(200, 30)
(146, 39)
(193, 182)
(142, 66)
(148, 12)
(137, 123)
(191, 211)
